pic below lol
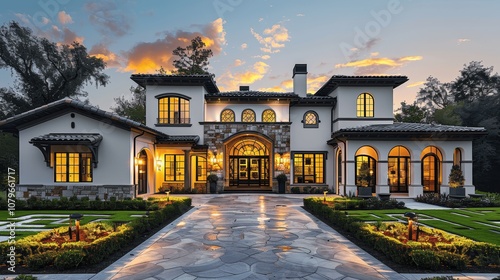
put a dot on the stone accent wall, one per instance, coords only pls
(104, 192)
(214, 134)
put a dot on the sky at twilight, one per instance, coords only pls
(258, 42)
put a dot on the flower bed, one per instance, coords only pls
(436, 250)
(98, 241)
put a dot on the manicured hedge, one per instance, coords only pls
(84, 203)
(37, 255)
(457, 255)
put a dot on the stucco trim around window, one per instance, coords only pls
(311, 119)
(172, 94)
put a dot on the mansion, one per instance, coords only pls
(339, 138)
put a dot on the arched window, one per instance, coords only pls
(248, 115)
(173, 110)
(268, 116)
(398, 172)
(365, 106)
(366, 167)
(311, 119)
(431, 158)
(227, 115)
(457, 157)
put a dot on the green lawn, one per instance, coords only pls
(114, 216)
(480, 224)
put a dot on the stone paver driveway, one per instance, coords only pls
(248, 236)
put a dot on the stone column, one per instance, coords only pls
(187, 171)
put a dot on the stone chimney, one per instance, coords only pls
(300, 79)
(244, 88)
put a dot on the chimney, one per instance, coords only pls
(300, 79)
(244, 88)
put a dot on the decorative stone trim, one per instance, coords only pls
(104, 192)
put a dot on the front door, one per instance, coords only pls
(249, 171)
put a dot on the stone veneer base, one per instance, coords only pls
(104, 192)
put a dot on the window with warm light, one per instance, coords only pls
(365, 106)
(308, 168)
(173, 110)
(268, 116)
(73, 167)
(431, 158)
(227, 115)
(248, 115)
(201, 168)
(174, 167)
(311, 119)
(398, 173)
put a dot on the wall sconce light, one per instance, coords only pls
(139, 161)
(214, 157)
(158, 164)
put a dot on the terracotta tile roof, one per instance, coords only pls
(206, 81)
(342, 80)
(251, 95)
(37, 114)
(179, 139)
(410, 130)
(92, 138)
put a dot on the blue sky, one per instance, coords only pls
(258, 42)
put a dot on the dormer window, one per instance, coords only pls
(173, 109)
(227, 115)
(365, 106)
(310, 120)
(248, 115)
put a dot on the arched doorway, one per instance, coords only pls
(366, 167)
(398, 163)
(431, 169)
(249, 162)
(142, 170)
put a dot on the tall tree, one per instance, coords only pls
(434, 95)
(410, 113)
(193, 59)
(135, 108)
(475, 81)
(44, 71)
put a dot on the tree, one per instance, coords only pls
(135, 108)
(475, 81)
(193, 59)
(44, 71)
(434, 95)
(410, 113)
(448, 115)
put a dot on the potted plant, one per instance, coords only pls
(456, 181)
(281, 182)
(213, 178)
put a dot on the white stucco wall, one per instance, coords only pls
(114, 151)
(196, 109)
(281, 108)
(312, 139)
(346, 106)
(415, 148)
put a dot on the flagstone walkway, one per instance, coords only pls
(250, 237)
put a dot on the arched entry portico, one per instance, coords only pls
(248, 161)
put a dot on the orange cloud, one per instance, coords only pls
(415, 84)
(376, 65)
(147, 57)
(231, 81)
(102, 52)
(244, 46)
(64, 18)
(273, 38)
(314, 82)
(238, 62)
(272, 89)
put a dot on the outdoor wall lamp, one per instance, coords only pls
(158, 164)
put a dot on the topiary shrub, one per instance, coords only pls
(69, 259)
(40, 261)
(425, 259)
